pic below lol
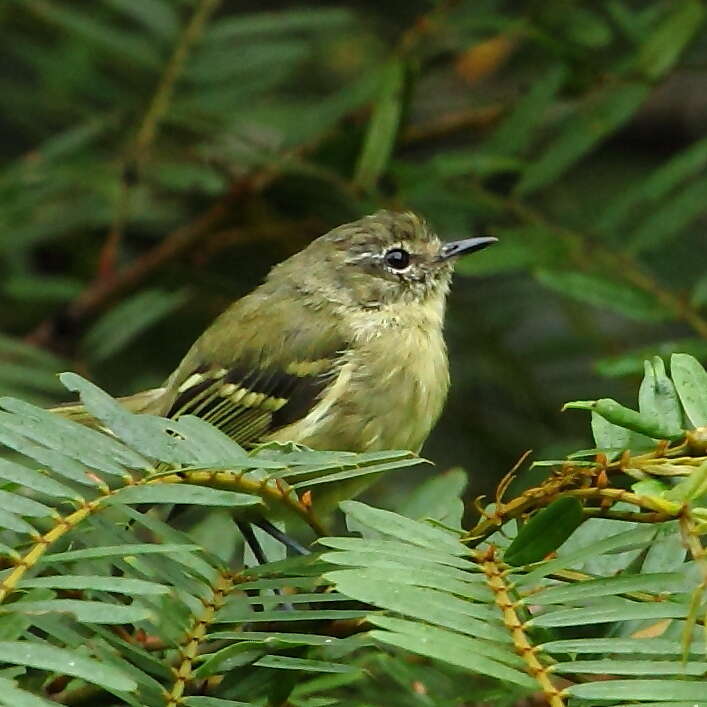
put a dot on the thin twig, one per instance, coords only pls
(163, 95)
(100, 294)
(147, 131)
(454, 121)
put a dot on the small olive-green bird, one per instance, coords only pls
(341, 348)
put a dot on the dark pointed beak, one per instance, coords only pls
(464, 247)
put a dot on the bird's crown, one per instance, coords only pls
(379, 259)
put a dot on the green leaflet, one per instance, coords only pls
(25, 506)
(195, 701)
(592, 122)
(145, 433)
(654, 646)
(294, 615)
(382, 127)
(415, 576)
(658, 583)
(664, 46)
(690, 488)
(516, 131)
(14, 697)
(438, 498)
(282, 662)
(690, 380)
(656, 186)
(608, 436)
(697, 299)
(181, 493)
(248, 25)
(420, 631)
(294, 639)
(658, 399)
(120, 585)
(640, 690)
(106, 551)
(448, 649)
(478, 620)
(397, 552)
(408, 461)
(114, 331)
(84, 611)
(631, 667)
(104, 38)
(397, 526)
(599, 291)
(62, 443)
(609, 612)
(9, 521)
(670, 219)
(159, 17)
(545, 532)
(233, 656)
(35, 480)
(428, 572)
(46, 657)
(667, 553)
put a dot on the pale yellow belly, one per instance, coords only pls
(387, 395)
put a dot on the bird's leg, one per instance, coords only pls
(274, 532)
(252, 542)
(260, 557)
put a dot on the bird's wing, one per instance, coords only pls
(248, 402)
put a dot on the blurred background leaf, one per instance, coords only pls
(156, 158)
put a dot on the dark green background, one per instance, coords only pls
(572, 130)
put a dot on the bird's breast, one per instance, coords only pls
(405, 376)
(389, 388)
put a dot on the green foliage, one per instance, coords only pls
(545, 532)
(159, 156)
(103, 596)
(184, 147)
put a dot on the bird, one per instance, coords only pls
(340, 348)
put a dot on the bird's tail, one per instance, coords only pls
(145, 402)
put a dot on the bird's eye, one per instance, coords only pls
(397, 258)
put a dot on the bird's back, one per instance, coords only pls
(357, 381)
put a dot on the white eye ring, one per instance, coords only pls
(397, 258)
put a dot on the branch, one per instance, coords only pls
(495, 573)
(454, 121)
(272, 489)
(585, 249)
(147, 132)
(104, 291)
(691, 540)
(163, 95)
(189, 646)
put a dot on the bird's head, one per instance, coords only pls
(382, 259)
